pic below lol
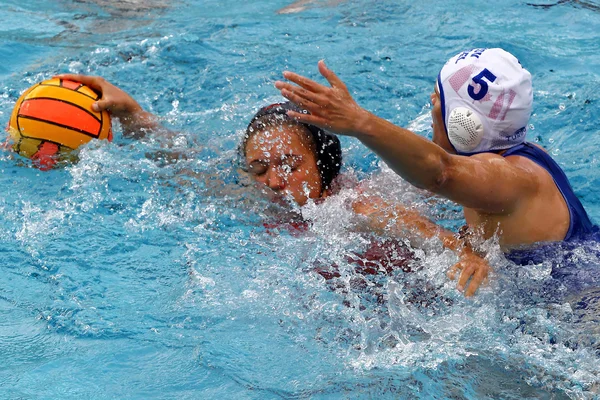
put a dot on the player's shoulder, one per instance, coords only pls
(511, 160)
(519, 164)
(487, 156)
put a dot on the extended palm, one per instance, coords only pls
(331, 108)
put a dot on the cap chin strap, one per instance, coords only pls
(465, 129)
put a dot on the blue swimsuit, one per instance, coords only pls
(580, 222)
(581, 229)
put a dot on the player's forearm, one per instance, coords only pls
(412, 225)
(427, 229)
(420, 227)
(139, 122)
(416, 159)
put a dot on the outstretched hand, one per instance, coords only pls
(474, 271)
(331, 108)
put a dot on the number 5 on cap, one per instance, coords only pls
(483, 86)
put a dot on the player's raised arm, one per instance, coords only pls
(487, 183)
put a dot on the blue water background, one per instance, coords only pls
(126, 277)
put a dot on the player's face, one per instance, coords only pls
(283, 159)
(439, 130)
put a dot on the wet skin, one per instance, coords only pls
(511, 197)
(283, 159)
(523, 222)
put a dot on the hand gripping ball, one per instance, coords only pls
(55, 117)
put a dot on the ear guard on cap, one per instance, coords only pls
(465, 129)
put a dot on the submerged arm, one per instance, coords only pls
(398, 220)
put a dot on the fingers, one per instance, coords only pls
(301, 101)
(464, 277)
(451, 274)
(315, 98)
(306, 83)
(331, 77)
(311, 87)
(309, 119)
(473, 275)
(476, 281)
(71, 77)
(95, 82)
(101, 105)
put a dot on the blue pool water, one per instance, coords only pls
(131, 278)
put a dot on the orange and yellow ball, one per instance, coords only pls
(54, 117)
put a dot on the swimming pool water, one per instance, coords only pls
(125, 276)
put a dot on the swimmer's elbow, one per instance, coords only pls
(440, 176)
(439, 183)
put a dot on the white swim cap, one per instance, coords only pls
(486, 98)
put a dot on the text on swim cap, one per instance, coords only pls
(471, 53)
(518, 134)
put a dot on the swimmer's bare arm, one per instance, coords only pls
(396, 219)
(485, 182)
(134, 120)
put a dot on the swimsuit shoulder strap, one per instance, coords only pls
(514, 150)
(580, 222)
